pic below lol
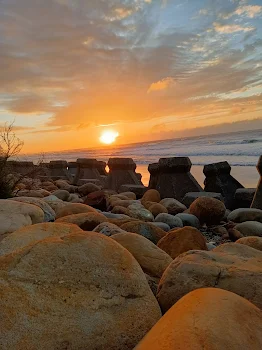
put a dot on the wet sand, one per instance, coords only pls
(246, 175)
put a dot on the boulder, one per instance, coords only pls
(189, 220)
(245, 214)
(140, 213)
(49, 213)
(86, 221)
(209, 211)
(146, 229)
(250, 228)
(75, 208)
(152, 259)
(30, 193)
(151, 196)
(97, 200)
(252, 241)
(14, 215)
(170, 220)
(122, 202)
(233, 267)
(84, 190)
(207, 318)
(157, 208)
(33, 233)
(190, 197)
(120, 210)
(181, 241)
(55, 203)
(61, 194)
(130, 195)
(173, 206)
(98, 298)
(108, 229)
(162, 225)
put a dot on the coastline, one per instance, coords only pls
(247, 175)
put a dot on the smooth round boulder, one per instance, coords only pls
(181, 241)
(252, 241)
(49, 213)
(208, 210)
(55, 203)
(81, 291)
(162, 225)
(189, 220)
(233, 267)
(86, 221)
(124, 203)
(14, 215)
(145, 229)
(130, 195)
(250, 228)
(207, 318)
(151, 196)
(245, 214)
(170, 220)
(152, 259)
(139, 212)
(157, 208)
(33, 233)
(61, 194)
(120, 210)
(85, 189)
(74, 208)
(108, 229)
(173, 206)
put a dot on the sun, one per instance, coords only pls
(108, 137)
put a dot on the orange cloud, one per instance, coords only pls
(161, 85)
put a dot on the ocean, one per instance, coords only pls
(240, 149)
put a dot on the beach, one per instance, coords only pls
(240, 149)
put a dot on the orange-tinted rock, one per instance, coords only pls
(252, 241)
(208, 210)
(152, 259)
(75, 208)
(82, 291)
(120, 210)
(157, 208)
(208, 318)
(148, 204)
(151, 196)
(182, 240)
(233, 267)
(97, 200)
(86, 221)
(149, 231)
(33, 233)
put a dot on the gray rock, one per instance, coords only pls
(210, 246)
(245, 214)
(250, 228)
(49, 213)
(189, 220)
(173, 206)
(170, 220)
(61, 194)
(190, 197)
(108, 229)
(162, 225)
(137, 211)
(114, 216)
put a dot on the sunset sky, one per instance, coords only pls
(146, 69)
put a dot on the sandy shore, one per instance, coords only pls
(246, 175)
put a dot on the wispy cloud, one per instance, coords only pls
(231, 28)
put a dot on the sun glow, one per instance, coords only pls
(108, 137)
